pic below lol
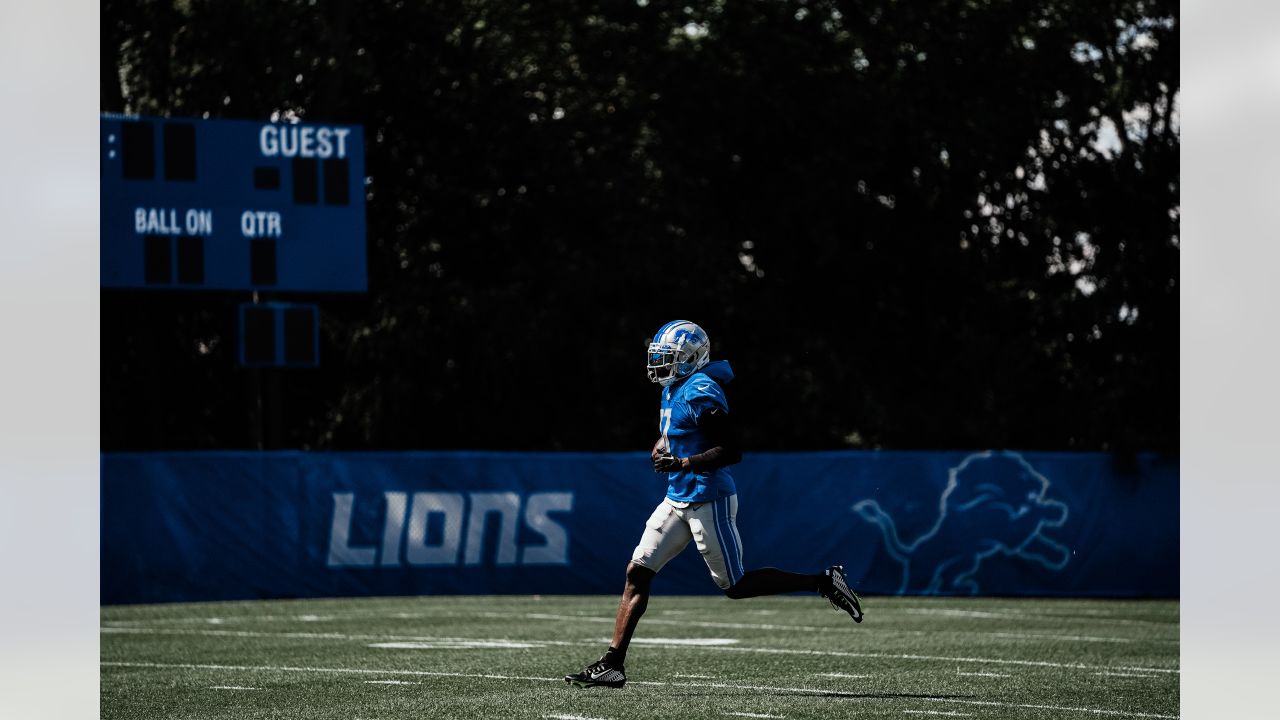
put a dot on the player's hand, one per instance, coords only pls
(666, 462)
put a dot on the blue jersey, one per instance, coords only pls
(683, 405)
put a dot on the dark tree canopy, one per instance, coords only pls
(914, 224)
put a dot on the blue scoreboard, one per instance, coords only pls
(232, 205)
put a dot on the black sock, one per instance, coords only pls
(615, 657)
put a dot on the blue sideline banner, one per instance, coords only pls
(226, 526)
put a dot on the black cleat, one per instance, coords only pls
(837, 592)
(598, 674)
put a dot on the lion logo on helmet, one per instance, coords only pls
(994, 502)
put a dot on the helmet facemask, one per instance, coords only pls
(662, 364)
(673, 358)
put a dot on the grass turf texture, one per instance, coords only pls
(504, 657)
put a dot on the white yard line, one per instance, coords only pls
(712, 648)
(684, 623)
(325, 636)
(391, 682)
(728, 686)
(756, 715)
(843, 675)
(952, 713)
(995, 675)
(1094, 711)
(1023, 615)
(930, 658)
(571, 717)
(304, 616)
(692, 642)
(950, 612)
(1074, 638)
(1120, 674)
(659, 621)
(345, 671)
(825, 629)
(1093, 615)
(230, 687)
(457, 645)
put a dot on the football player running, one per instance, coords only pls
(697, 444)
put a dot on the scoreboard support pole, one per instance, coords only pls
(274, 409)
(255, 408)
(266, 402)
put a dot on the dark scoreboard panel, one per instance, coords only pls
(279, 335)
(232, 205)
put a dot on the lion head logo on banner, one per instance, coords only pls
(994, 502)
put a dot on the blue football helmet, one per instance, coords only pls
(677, 351)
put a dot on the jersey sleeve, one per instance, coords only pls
(704, 395)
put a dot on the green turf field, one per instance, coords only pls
(504, 657)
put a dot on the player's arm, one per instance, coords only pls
(726, 448)
(721, 433)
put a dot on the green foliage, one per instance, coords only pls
(938, 223)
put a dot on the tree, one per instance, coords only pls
(928, 224)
